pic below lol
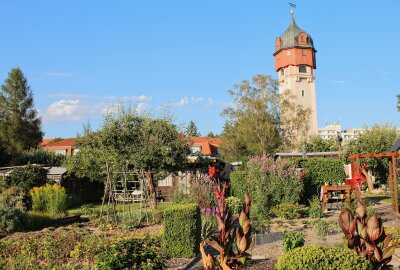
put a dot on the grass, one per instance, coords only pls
(375, 198)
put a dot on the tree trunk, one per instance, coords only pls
(369, 180)
(152, 189)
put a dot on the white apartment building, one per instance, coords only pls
(335, 130)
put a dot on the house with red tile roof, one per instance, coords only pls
(65, 147)
(204, 146)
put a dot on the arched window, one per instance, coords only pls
(302, 69)
(282, 72)
(302, 93)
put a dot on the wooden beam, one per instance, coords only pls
(396, 198)
(391, 184)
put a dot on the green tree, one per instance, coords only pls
(192, 130)
(375, 139)
(317, 144)
(127, 139)
(398, 103)
(19, 123)
(294, 122)
(212, 135)
(252, 123)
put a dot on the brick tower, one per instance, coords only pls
(295, 63)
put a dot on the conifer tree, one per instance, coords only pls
(192, 130)
(20, 125)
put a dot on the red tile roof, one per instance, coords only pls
(45, 142)
(62, 143)
(209, 146)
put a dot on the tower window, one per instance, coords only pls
(282, 72)
(302, 38)
(302, 69)
(303, 52)
(288, 53)
(302, 93)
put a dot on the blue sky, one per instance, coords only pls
(80, 57)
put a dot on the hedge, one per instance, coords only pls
(182, 230)
(238, 184)
(322, 257)
(317, 172)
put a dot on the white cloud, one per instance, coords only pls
(141, 107)
(196, 99)
(73, 110)
(58, 74)
(141, 98)
(182, 102)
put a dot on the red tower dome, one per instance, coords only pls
(294, 47)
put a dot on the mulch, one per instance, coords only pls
(176, 263)
(264, 264)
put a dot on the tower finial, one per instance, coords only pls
(293, 6)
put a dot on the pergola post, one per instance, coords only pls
(394, 184)
(391, 184)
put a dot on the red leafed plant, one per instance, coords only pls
(235, 235)
(367, 237)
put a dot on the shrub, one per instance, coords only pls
(11, 220)
(315, 209)
(321, 257)
(317, 172)
(182, 230)
(322, 227)
(13, 197)
(292, 240)
(287, 211)
(27, 177)
(51, 199)
(271, 183)
(208, 227)
(138, 254)
(234, 205)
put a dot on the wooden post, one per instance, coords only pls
(391, 184)
(394, 183)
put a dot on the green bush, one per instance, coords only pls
(182, 230)
(317, 172)
(287, 211)
(27, 177)
(323, 228)
(315, 209)
(51, 199)
(322, 257)
(292, 240)
(271, 183)
(234, 205)
(138, 254)
(13, 197)
(11, 220)
(209, 227)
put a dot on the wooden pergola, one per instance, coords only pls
(393, 156)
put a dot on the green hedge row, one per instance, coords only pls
(182, 230)
(322, 257)
(317, 172)
(238, 184)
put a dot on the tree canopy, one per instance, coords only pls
(192, 130)
(20, 125)
(375, 139)
(317, 144)
(261, 120)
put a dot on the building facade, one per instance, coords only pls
(295, 62)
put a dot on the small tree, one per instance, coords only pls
(192, 129)
(19, 123)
